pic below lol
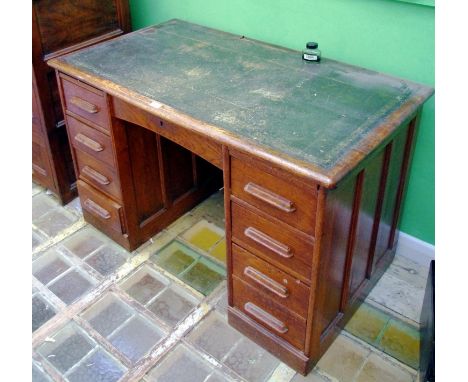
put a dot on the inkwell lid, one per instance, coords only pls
(311, 45)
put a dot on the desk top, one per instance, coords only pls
(320, 119)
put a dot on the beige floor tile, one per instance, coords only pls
(343, 359)
(313, 376)
(399, 296)
(378, 369)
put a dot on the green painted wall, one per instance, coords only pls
(390, 36)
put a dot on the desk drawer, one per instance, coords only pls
(281, 198)
(91, 141)
(86, 101)
(274, 317)
(104, 210)
(282, 288)
(98, 174)
(273, 242)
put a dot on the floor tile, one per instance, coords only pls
(212, 209)
(222, 304)
(71, 286)
(38, 375)
(175, 258)
(36, 189)
(219, 251)
(84, 242)
(55, 221)
(107, 314)
(313, 376)
(409, 271)
(399, 296)
(343, 359)
(106, 260)
(173, 305)
(42, 204)
(203, 235)
(182, 224)
(136, 338)
(378, 369)
(367, 323)
(214, 336)
(98, 367)
(37, 239)
(75, 206)
(180, 365)
(49, 266)
(204, 276)
(251, 362)
(70, 346)
(217, 377)
(401, 341)
(144, 285)
(42, 311)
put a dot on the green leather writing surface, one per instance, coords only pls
(267, 94)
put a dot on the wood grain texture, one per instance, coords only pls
(308, 232)
(289, 292)
(64, 23)
(59, 27)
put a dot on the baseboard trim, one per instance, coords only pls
(415, 249)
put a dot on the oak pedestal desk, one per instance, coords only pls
(314, 161)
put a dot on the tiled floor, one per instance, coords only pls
(103, 314)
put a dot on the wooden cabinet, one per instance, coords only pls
(60, 27)
(312, 209)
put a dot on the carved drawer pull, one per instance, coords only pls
(84, 105)
(268, 242)
(88, 142)
(96, 209)
(266, 318)
(96, 176)
(269, 197)
(39, 169)
(266, 282)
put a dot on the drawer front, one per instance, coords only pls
(277, 319)
(86, 102)
(97, 174)
(281, 287)
(278, 197)
(103, 209)
(271, 241)
(91, 141)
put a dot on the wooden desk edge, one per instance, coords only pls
(308, 171)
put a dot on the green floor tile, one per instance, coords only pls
(367, 323)
(401, 341)
(204, 276)
(175, 258)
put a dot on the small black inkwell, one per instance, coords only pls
(311, 53)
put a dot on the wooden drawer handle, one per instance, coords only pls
(84, 105)
(266, 318)
(88, 142)
(268, 242)
(269, 197)
(266, 282)
(39, 169)
(96, 209)
(96, 176)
